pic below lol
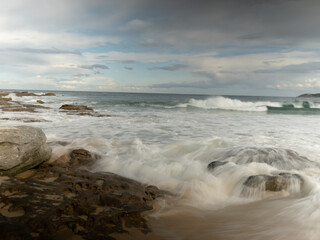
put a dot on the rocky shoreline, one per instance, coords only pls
(63, 198)
(7, 104)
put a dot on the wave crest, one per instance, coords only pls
(224, 103)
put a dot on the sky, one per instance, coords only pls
(230, 47)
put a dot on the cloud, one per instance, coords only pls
(303, 68)
(94, 66)
(198, 84)
(252, 44)
(43, 51)
(81, 75)
(173, 67)
(135, 25)
(128, 61)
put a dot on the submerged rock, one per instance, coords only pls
(48, 94)
(61, 200)
(215, 164)
(22, 148)
(274, 183)
(80, 110)
(28, 94)
(76, 107)
(284, 159)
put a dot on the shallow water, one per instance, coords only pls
(168, 141)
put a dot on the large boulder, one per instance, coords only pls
(22, 148)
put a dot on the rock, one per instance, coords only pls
(64, 202)
(5, 99)
(22, 148)
(40, 101)
(308, 95)
(2, 93)
(26, 94)
(81, 110)
(49, 94)
(13, 230)
(24, 120)
(281, 158)
(75, 107)
(274, 183)
(215, 164)
(77, 158)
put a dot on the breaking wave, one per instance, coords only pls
(223, 103)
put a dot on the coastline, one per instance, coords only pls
(225, 167)
(63, 197)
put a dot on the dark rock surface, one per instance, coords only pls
(26, 94)
(274, 183)
(281, 158)
(64, 200)
(79, 110)
(75, 107)
(215, 164)
(8, 105)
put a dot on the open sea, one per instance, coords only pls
(168, 140)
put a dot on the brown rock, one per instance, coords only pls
(274, 183)
(2, 93)
(80, 110)
(5, 99)
(49, 94)
(62, 201)
(75, 107)
(24, 94)
(40, 101)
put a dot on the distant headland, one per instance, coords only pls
(307, 95)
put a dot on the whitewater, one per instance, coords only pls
(168, 140)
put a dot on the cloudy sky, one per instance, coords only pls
(243, 47)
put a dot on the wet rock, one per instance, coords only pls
(80, 110)
(27, 94)
(22, 148)
(40, 101)
(280, 158)
(66, 201)
(75, 107)
(77, 158)
(5, 99)
(274, 183)
(49, 94)
(15, 106)
(26, 120)
(215, 164)
(3, 93)
(13, 230)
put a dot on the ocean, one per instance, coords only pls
(168, 140)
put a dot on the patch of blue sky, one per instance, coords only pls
(233, 51)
